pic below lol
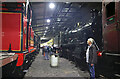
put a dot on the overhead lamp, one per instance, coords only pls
(48, 20)
(44, 34)
(58, 19)
(43, 38)
(90, 23)
(46, 27)
(51, 5)
(45, 31)
(78, 24)
(67, 2)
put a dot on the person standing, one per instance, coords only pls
(91, 57)
(50, 49)
(46, 52)
(43, 50)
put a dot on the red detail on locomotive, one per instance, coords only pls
(18, 9)
(2, 4)
(19, 5)
(20, 59)
(99, 53)
(4, 9)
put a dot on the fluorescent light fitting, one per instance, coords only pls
(48, 20)
(74, 31)
(51, 5)
(46, 27)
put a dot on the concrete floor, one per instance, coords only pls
(41, 68)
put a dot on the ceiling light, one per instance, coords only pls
(58, 19)
(45, 31)
(90, 23)
(48, 20)
(78, 24)
(44, 34)
(67, 2)
(46, 27)
(51, 5)
(43, 38)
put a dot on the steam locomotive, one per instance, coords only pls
(74, 43)
(20, 44)
(105, 30)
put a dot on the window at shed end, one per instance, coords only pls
(110, 9)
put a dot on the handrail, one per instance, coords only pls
(112, 54)
(111, 16)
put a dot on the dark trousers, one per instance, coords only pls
(46, 55)
(92, 71)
